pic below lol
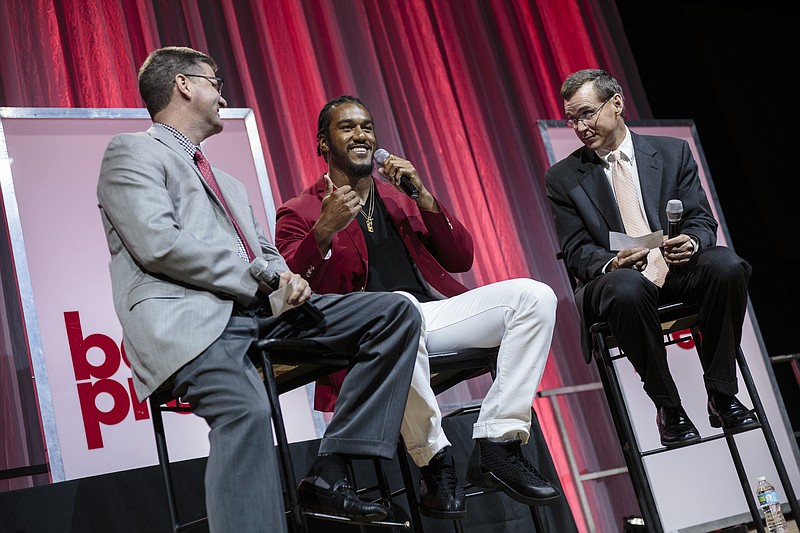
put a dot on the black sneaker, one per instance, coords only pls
(502, 466)
(441, 495)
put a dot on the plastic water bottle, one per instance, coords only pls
(770, 506)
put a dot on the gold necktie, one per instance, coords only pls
(632, 216)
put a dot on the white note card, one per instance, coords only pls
(620, 241)
(277, 300)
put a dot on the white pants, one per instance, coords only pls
(518, 315)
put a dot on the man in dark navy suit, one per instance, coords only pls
(620, 181)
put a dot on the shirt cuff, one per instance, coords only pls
(605, 267)
(695, 244)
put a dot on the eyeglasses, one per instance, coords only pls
(573, 122)
(213, 80)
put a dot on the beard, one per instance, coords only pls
(353, 168)
(359, 170)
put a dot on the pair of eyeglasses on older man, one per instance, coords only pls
(572, 122)
(213, 80)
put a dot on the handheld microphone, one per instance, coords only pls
(263, 271)
(380, 156)
(674, 214)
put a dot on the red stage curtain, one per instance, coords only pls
(454, 86)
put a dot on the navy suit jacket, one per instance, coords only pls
(585, 209)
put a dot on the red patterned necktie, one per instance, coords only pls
(205, 170)
(632, 217)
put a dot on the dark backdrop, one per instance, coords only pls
(730, 66)
(727, 65)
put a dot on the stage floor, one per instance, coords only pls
(133, 501)
(791, 523)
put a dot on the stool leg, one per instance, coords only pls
(408, 482)
(383, 484)
(284, 457)
(740, 471)
(163, 462)
(538, 525)
(351, 475)
(627, 437)
(734, 449)
(769, 436)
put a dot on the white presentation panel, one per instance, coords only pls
(49, 165)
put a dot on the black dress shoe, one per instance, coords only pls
(315, 494)
(675, 428)
(441, 495)
(502, 466)
(728, 413)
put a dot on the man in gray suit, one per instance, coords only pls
(620, 181)
(182, 236)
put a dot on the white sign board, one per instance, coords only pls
(49, 168)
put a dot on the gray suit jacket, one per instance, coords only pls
(585, 209)
(175, 271)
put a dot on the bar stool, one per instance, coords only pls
(284, 364)
(158, 405)
(287, 364)
(676, 318)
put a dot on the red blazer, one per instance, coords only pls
(437, 243)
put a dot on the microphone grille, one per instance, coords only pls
(380, 155)
(674, 210)
(262, 270)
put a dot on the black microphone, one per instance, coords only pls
(674, 214)
(263, 271)
(380, 156)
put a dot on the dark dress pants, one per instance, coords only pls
(715, 280)
(243, 492)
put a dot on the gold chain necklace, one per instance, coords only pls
(368, 215)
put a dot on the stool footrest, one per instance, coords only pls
(378, 523)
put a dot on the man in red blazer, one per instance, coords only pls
(349, 232)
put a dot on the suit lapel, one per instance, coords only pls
(165, 137)
(168, 139)
(650, 177)
(595, 183)
(239, 206)
(393, 208)
(235, 203)
(353, 230)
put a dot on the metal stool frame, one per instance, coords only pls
(675, 318)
